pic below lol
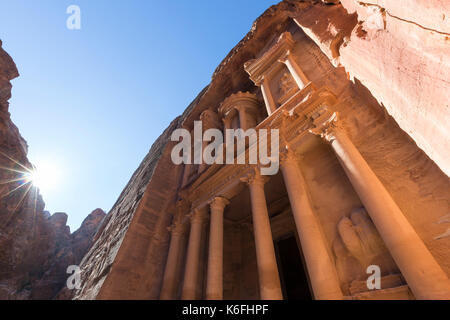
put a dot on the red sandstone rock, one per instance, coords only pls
(401, 53)
(35, 248)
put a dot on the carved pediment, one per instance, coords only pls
(257, 68)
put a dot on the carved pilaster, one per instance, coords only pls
(178, 226)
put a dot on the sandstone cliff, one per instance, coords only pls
(35, 247)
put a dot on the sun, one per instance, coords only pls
(45, 175)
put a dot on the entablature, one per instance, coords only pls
(294, 120)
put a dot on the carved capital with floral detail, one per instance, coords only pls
(254, 177)
(326, 126)
(177, 228)
(288, 155)
(198, 215)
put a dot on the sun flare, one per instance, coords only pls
(45, 176)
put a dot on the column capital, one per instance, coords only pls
(238, 101)
(198, 215)
(182, 207)
(226, 122)
(326, 126)
(254, 177)
(287, 155)
(219, 203)
(210, 119)
(177, 228)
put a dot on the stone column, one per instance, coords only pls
(423, 274)
(269, 280)
(247, 117)
(295, 71)
(214, 282)
(271, 106)
(172, 270)
(243, 119)
(321, 270)
(193, 254)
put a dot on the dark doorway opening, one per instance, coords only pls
(294, 281)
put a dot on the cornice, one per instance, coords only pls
(257, 68)
(237, 100)
(294, 120)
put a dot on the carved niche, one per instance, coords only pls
(357, 246)
(286, 89)
(277, 73)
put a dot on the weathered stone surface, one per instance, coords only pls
(35, 247)
(400, 50)
(68, 249)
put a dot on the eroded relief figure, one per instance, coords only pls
(358, 246)
(286, 88)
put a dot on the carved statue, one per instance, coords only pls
(286, 84)
(358, 246)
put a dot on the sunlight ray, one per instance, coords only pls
(13, 180)
(8, 219)
(15, 161)
(15, 170)
(23, 184)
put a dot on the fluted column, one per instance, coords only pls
(321, 270)
(172, 270)
(214, 282)
(269, 279)
(193, 254)
(423, 274)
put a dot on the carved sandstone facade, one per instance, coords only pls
(353, 189)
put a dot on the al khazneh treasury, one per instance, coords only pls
(360, 98)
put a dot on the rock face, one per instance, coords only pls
(35, 247)
(66, 249)
(400, 50)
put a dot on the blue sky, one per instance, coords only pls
(91, 102)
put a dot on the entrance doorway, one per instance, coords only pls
(294, 281)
